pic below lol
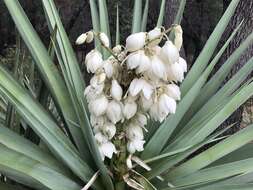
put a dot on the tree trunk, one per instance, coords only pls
(244, 115)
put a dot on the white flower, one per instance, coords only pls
(138, 60)
(154, 114)
(93, 61)
(166, 105)
(183, 64)
(169, 53)
(134, 131)
(109, 130)
(108, 68)
(114, 111)
(173, 91)
(158, 67)
(130, 108)
(178, 41)
(175, 72)
(107, 149)
(92, 92)
(100, 138)
(98, 106)
(138, 85)
(81, 39)
(94, 120)
(145, 103)
(104, 39)
(90, 37)
(141, 119)
(135, 145)
(116, 90)
(117, 49)
(154, 36)
(135, 41)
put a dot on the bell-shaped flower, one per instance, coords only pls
(178, 41)
(145, 103)
(135, 145)
(130, 108)
(104, 39)
(183, 64)
(175, 72)
(81, 39)
(135, 41)
(166, 105)
(109, 130)
(154, 36)
(92, 92)
(173, 91)
(100, 138)
(108, 68)
(116, 90)
(98, 106)
(107, 149)
(158, 67)
(114, 111)
(139, 61)
(154, 113)
(141, 119)
(169, 53)
(93, 61)
(138, 85)
(94, 120)
(134, 131)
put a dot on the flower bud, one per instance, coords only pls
(155, 36)
(116, 90)
(178, 41)
(173, 91)
(104, 39)
(81, 39)
(169, 53)
(130, 108)
(141, 119)
(108, 68)
(100, 138)
(114, 111)
(93, 61)
(90, 37)
(98, 106)
(97, 120)
(129, 162)
(135, 87)
(135, 41)
(145, 103)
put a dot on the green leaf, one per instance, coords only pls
(95, 21)
(32, 173)
(180, 12)
(137, 16)
(145, 16)
(161, 14)
(208, 50)
(5, 186)
(216, 173)
(104, 23)
(43, 124)
(27, 148)
(228, 187)
(50, 74)
(214, 153)
(117, 28)
(72, 72)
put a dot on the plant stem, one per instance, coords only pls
(120, 186)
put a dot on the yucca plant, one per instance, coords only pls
(75, 152)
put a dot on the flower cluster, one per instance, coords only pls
(136, 83)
